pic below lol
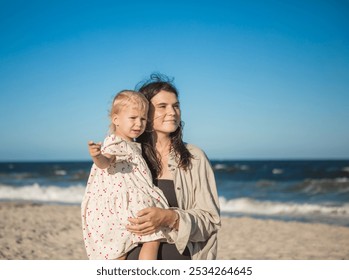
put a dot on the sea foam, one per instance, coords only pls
(252, 206)
(35, 192)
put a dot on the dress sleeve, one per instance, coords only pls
(117, 147)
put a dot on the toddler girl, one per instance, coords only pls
(120, 185)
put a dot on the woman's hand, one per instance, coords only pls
(149, 220)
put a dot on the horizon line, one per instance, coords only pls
(210, 159)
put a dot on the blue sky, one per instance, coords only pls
(257, 79)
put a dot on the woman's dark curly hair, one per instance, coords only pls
(150, 88)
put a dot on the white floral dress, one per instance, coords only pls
(112, 196)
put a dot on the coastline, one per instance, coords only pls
(37, 231)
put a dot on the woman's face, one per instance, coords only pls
(164, 112)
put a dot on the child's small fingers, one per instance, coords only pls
(91, 143)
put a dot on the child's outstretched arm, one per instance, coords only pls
(102, 161)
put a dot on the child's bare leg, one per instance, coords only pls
(122, 258)
(149, 251)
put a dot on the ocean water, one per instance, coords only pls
(308, 191)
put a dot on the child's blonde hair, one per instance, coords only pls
(127, 97)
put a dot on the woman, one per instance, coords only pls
(184, 174)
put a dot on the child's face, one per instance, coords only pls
(130, 122)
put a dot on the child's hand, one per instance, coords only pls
(94, 148)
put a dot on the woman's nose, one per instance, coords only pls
(171, 111)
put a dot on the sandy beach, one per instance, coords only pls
(53, 232)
